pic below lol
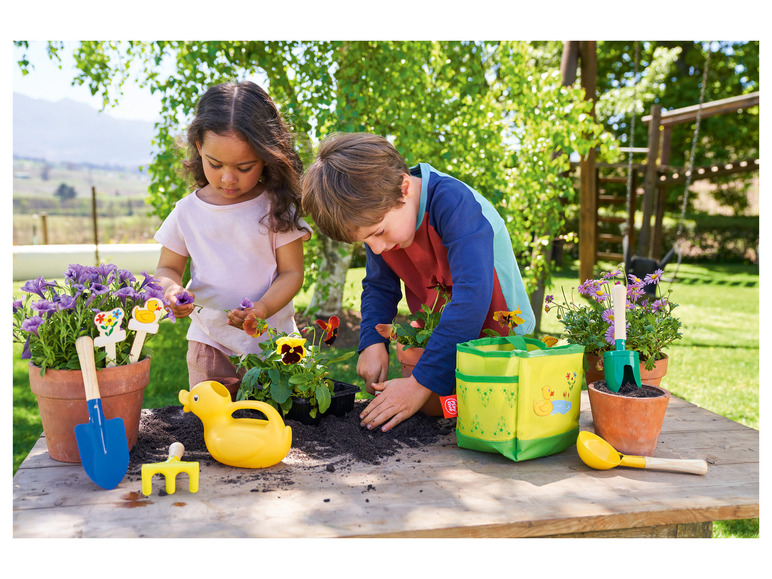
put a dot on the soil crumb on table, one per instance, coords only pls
(337, 441)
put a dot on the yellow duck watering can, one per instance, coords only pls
(240, 442)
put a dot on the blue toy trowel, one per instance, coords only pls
(102, 443)
(620, 366)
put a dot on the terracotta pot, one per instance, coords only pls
(653, 377)
(630, 425)
(62, 403)
(408, 358)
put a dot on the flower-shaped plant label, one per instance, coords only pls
(110, 332)
(109, 326)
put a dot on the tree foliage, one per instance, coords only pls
(483, 112)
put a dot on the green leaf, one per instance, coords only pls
(323, 397)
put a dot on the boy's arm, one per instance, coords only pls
(381, 294)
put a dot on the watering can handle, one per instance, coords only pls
(619, 299)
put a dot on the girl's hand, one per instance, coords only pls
(373, 365)
(236, 317)
(179, 310)
(397, 400)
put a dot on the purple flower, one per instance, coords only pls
(608, 316)
(635, 281)
(26, 354)
(32, 324)
(654, 278)
(610, 335)
(184, 298)
(170, 316)
(44, 306)
(105, 271)
(37, 286)
(99, 289)
(75, 274)
(17, 305)
(246, 304)
(126, 292)
(125, 276)
(67, 303)
(549, 299)
(149, 281)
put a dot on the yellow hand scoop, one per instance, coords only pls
(170, 469)
(599, 454)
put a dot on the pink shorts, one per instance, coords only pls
(206, 362)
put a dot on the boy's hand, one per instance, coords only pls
(179, 310)
(398, 400)
(373, 365)
(236, 317)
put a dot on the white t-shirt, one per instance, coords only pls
(232, 257)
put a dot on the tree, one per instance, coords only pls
(65, 192)
(480, 111)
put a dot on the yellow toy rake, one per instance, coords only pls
(170, 469)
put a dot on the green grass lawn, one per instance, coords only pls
(718, 308)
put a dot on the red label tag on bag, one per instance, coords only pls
(449, 408)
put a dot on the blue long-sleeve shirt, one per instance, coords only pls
(461, 242)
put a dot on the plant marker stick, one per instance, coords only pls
(144, 320)
(619, 298)
(110, 332)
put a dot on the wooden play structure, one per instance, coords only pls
(598, 201)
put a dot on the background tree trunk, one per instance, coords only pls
(331, 281)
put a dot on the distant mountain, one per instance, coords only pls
(71, 131)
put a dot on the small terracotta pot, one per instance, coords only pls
(408, 358)
(653, 377)
(61, 400)
(630, 425)
(232, 383)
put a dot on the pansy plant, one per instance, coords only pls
(288, 367)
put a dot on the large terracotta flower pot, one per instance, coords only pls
(630, 425)
(62, 403)
(594, 372)
(408, 358)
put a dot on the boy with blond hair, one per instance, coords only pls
(421, 227)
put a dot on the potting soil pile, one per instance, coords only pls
(337, 441)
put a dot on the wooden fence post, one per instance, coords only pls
(588, 196)
(650, 182)
(96, 230)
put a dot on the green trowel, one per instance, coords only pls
(620, 366)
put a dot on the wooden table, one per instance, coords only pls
(439, 491)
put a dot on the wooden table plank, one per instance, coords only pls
(438, 491)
